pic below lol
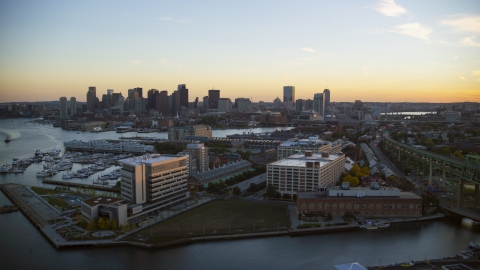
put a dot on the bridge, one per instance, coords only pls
(471, 214)
(467, 170)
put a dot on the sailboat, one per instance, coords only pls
(7, 140)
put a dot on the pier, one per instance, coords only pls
(81, 185)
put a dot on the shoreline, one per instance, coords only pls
(49, 231)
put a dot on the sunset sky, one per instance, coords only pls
(416, 51)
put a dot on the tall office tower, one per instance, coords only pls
(300, 105)
(289, 94)
(195, 103)
(205, 102)
(243, 104)
(152, 99)
(91, 98)
(326, 95)
(73, 106)
(309, 105)
(224, 105)
(63, 107)
(116, 98)
(175, 106)
(94, 89)
(161, 103)
(182, 89)
(155, 179)
(213, 96)
(140, 104)
(109, 92)
(319, 103)
(139, 91)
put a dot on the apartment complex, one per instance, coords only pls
(179, 133)
(155, 179)
(305, 171)
(313, 144)
(198, 157)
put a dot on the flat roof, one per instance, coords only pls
(313, 195)
(298, 160)
(147, 159)
(102, 200)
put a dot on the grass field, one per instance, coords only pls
(220, 217)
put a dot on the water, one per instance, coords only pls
(398, 243)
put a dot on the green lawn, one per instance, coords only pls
(214, 218)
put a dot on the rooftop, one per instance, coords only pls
(312, 141)
(226, 169)
(299, 160)
(102, 200)
(147, 159)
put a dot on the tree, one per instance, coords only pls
(245, 155)
(352, 180)
(236, 191)
(252, 187)
(355, 168)
(92, 225)
(270, 191)
(101, 223)
(286, 196)
(114, 225)
(458, 154)
(108, 224)
(365, 171)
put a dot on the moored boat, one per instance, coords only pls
(8, 208)
(6, 168)
(7, 140)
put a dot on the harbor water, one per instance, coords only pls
(23, 247)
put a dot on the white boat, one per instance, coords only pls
(15, 161)
(6, 168)
(38, 153)
(66, 176)
(382, 224)
(54, 152)
(43, 174)
(473, 245)
(17, 170)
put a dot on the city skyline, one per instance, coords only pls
(375, 51)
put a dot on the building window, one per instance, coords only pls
(349, 206)
(357, 206)
(379, 206)
(319, 205)
(410, 206)
(371, 206)
(364, 205)
(341, 206)
(311, 206)
(304, 205)
(327, 206)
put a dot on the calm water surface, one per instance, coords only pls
(369, 247)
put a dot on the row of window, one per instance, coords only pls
(360, 206)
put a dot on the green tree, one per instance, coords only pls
(114, 225)
(101, 223)
(245, 155)
(108, 224)
(458, 154)
(365, 171)
(352, 180)
(92, 225)
(236, 191)
(270, 193)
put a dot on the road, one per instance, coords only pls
(383, 159)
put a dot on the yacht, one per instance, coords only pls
(17, 170)
(6, 168)
(54, 152)
(7, 140)
(43, 174)
(15, 161)
(66, 176)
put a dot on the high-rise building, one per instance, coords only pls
(319, 103)
(152, 99)
(183, 95)
(243, 104)
(289, 94)
(161, 103)
(109, 92)
(158, 179)
(326, 95)
(213, 96)
(205, 102)
(198, 154)
(175, 107)
(73, 106)
(195, 103)
(300, 105)
(139, 91)
(224, 105)
(91, 99)
(63, 107)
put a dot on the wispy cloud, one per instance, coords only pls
(455, 58)
(136, 62)
(165, 19)
(469, 41)
(165, 62)
(414, 30)
(310, 50)
(476, 73)
(389, 8)
(365, 71)
(461, 76)
(180, 65)
(463, 23)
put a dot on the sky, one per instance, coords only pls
(376, 51)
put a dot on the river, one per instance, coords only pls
(399, 242)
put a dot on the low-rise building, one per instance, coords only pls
(361, 202)
(179, 133)
(305, 171)
(221, 173)
(113, 209)
(313, 144)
